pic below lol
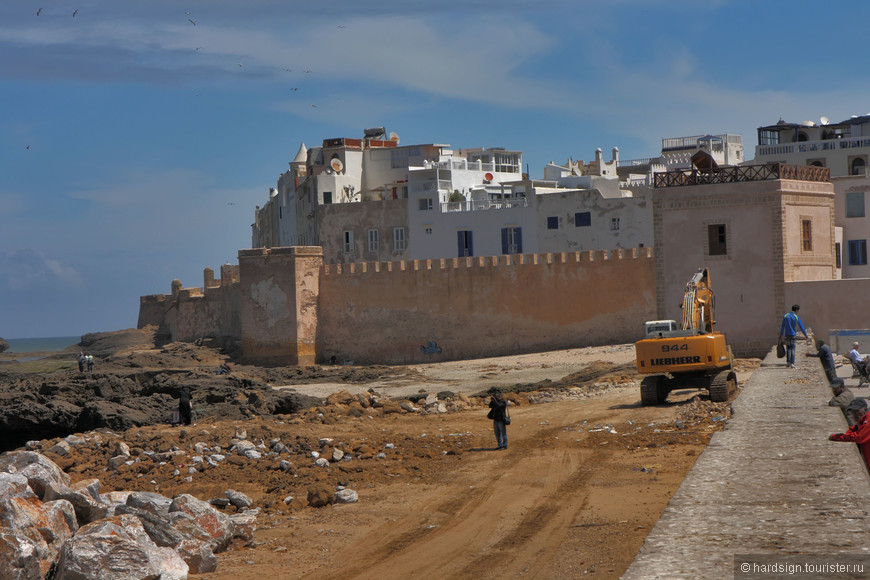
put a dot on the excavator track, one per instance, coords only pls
(651, 391)
(723, 385)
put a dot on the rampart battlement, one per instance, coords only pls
(189, 293)
(588, 257)
(154, 298)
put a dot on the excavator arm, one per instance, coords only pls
(698, 304)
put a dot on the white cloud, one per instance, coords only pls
(27, 269)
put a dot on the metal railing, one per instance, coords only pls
(810, 146)
(481, 205)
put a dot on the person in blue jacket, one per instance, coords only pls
(788, 330)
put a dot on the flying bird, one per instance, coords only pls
(198, 47)
(294, 88)
(38, 11)
(27, 147)
(313, 106)
(238, 63)
(342, 26)
(76, 11)
(308, 71)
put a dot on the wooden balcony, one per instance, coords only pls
(736, 174)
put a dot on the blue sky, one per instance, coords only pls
(138, 136)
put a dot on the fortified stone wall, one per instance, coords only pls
(214, 313)
(152, 309)
(451, 309)
(279, 304)
(191, 313)
(289, 308)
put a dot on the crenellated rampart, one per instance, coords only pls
(457, 308)
(287, 307)
(188, 314)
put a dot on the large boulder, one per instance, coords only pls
(40, 529)
(218, 525)
(190, 541)
(88, 509)
(19, 557)
(117, 548)
(38, 469)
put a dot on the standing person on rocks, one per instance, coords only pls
(90, 359)
(859, 432)
(825, 355)
(184, 405)
(81, 359)
(788, 330)
(497, 412)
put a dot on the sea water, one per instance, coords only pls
(48, 344)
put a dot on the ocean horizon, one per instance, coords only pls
(46, 344)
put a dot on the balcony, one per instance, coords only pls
(482, 205)
(811, 146)
(459, 164)
(741, 173)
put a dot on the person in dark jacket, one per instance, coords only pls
(184, 405)
(825, 355)
(842, 398)
(498, 406)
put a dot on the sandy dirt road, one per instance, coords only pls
(568, 498)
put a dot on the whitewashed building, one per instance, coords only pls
(844, 148)
(372, 200)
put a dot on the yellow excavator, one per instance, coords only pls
(689, 357)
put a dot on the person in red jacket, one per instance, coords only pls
(859, 432)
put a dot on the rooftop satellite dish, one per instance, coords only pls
(336, 165)
(394, 137)
(824, 120)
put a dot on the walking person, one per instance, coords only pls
(90, 362)
(826, 357)
(81, 359)
(498, 414)
(788, 330)
(184, 405)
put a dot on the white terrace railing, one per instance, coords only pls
(485, 204)
(459, 164)
(810, 146)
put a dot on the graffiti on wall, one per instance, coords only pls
(431, 348)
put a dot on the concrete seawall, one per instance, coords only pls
(768, 484)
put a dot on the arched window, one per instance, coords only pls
(858, 165)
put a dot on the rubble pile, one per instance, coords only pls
(51, 528)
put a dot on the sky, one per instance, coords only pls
(137, 137)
